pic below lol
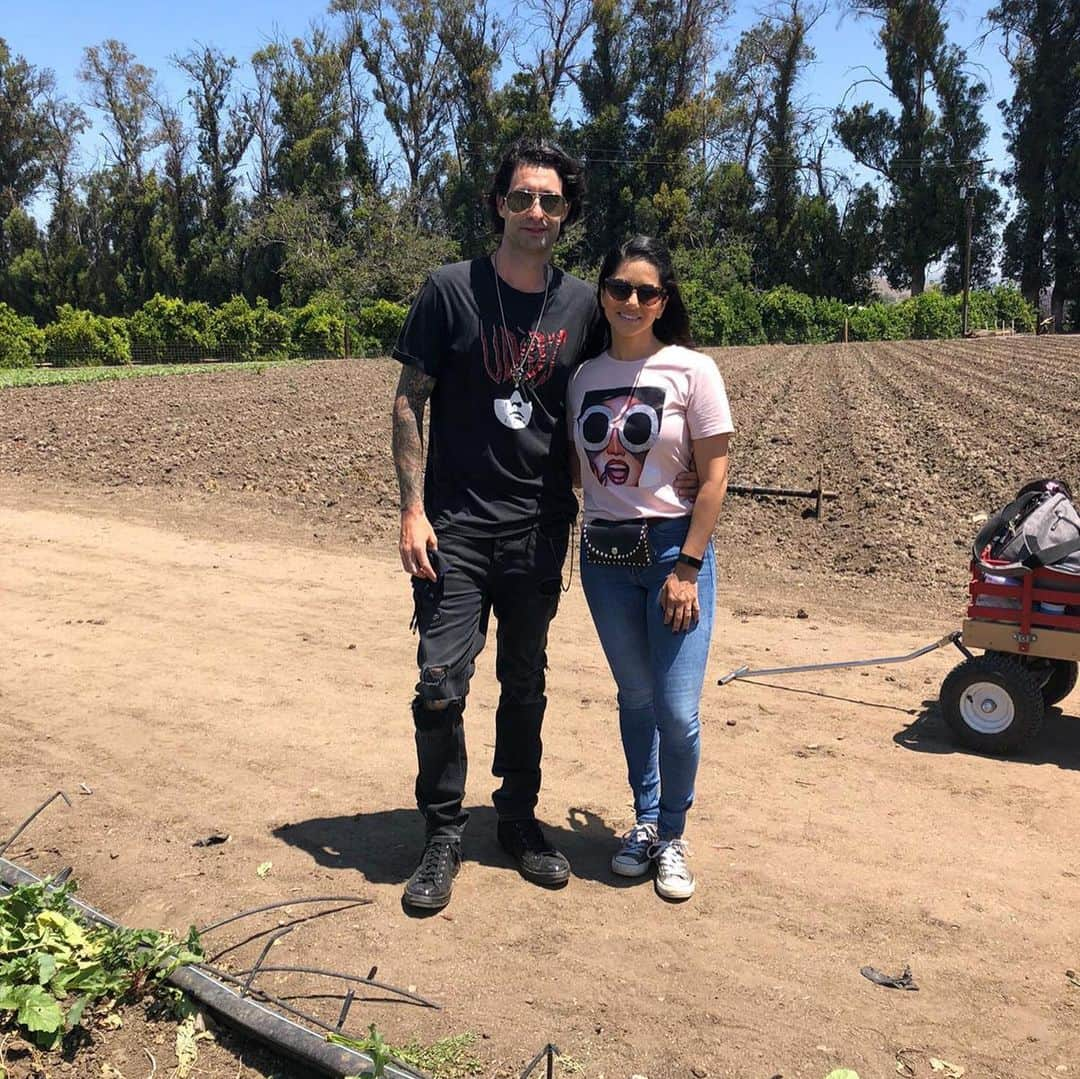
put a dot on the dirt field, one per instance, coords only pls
(205, 626)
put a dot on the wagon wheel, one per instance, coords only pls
(1057, 677)
(1062, 680)
(992, 703)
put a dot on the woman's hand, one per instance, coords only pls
(679, 598)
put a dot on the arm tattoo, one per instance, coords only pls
(413, 390)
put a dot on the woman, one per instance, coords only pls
(638, 414)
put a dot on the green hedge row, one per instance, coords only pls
(167, 330)
(741, 316)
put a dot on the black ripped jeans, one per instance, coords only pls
(518, 578)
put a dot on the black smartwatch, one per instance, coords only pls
(688, 560)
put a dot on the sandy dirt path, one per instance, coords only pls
(198, 679)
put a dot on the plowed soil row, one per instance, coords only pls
(917, 438)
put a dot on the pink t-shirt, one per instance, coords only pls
(633, 422)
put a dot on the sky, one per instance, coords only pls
(53, 34)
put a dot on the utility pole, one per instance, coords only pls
(968, 193)
(969, 213)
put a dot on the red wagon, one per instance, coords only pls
(1029, 627)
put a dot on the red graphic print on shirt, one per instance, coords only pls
(504, 351)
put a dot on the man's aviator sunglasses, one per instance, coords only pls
(621, 291)
(521, 199)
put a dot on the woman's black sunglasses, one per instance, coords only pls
(520, 200)
(621, 290)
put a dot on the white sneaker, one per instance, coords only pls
(673, 877)
(632, 859)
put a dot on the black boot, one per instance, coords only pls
(430, 886)
(537, 860)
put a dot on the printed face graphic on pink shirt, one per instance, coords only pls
(617, 428)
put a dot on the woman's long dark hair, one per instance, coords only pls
(673, 326)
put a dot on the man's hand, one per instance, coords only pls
(686, 485)
(417, 538)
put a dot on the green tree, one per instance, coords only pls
(25, 134)
(122, 88)
(26, 141)
(306, 86)
(224, 129)
(557, 29)
(914, 150)
(404, 55)
(22, 344)
(676, 46)
(23, 276)
(473, 40)
(607, 83)
(65, 252)
(1042, 119)
(783, 41)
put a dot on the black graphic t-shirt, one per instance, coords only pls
(498, 452)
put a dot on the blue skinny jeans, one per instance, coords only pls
(659, 674)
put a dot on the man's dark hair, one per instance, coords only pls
(547, 155)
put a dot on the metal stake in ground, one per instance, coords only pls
(548, 1053)
(818, 493)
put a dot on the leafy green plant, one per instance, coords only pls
(374, 1045)
(829, 318)
(22, 344)
(448, 1058)
(882, 321)
(80, 338)
(166, 329)
(380, 321)
(710, 315)
(55, 969)
(64, 376)
(745, 327)
(235, 327)
(936, 316)
(787, 316)
(318, 328)
(244, 332)
(1012, 309)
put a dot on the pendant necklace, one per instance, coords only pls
(518, 369)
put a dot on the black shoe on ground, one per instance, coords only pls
(430, 886)
(537, 860)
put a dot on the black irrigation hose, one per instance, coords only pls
(414, 997)
(393, 1068)
(348, 900)
(26, 823)
(280, 1033)
(298, 920)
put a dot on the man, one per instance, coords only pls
(491, 342)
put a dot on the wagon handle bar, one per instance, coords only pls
(745, 672)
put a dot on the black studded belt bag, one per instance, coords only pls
(617, 543)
